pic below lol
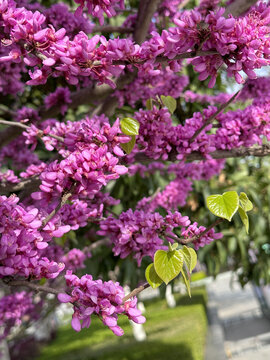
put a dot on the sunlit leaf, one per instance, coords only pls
(225, 205)
(128, 147)
(129, 126)
(168, 264)
(245, 203)
(169, 102)
(152, 277)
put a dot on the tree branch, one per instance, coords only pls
(136, 291)
(32, 286)
(147, 8)
(238, 7)
(26, 127)
(64, 199)
(96, 245)
(212, 118)
(258, 151)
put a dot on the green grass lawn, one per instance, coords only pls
(172, 334)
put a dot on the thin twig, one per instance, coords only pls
(257, 151)
(136, 291)
(212, 117)
(96, 245)
(25, 127)
(64, 199)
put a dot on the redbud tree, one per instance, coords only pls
(110, 111)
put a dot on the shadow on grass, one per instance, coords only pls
(149, 350)
(196, 299)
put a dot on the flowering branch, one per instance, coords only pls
(185, 241)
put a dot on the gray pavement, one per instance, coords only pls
(238, 322)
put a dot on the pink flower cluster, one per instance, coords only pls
(193, 97)
(169, 7)
(91, 157)
(240, 44)
(97, 7)
(139, 232)
(61, 97)
(59, 16)
(158, 137)
(50, 52)
(146, 86)
(15, 309)
(104, 299)
(194, 230)
(22, 240)
(74, 260)
(173, 196)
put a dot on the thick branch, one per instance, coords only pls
(136, 291)
(258, 151)
(238, 7)
(147, 8)
(33, 286)
(32, 183)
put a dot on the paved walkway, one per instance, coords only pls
(245, 331)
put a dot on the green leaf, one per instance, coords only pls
(174, 246)
(129, 126)
(128, 147)
(190, 258)
(245, 203)
(169, 102)
(42, 281)
(244, 218)
(225, 205)
(149, 104)
(186, 278)
(168, 264)
(152, 277)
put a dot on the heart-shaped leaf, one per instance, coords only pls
(244, 218)
(130, 126)
(168, 264)
(128, 147)
(245, 203)
(190, 258)
(225, 205)
(152, 277)
(169, 102)
(186, 278)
